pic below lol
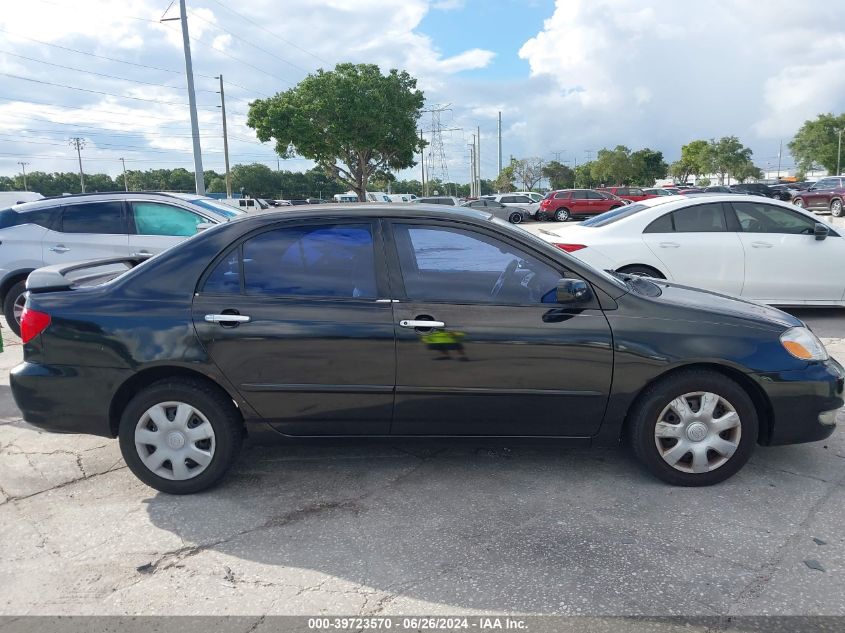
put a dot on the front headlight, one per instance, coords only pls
(803, 344)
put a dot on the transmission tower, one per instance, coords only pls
(436, 164)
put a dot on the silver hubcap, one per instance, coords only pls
(836, 207)
(798, 202)
(174, 440)
(697, 432)
(18, 308)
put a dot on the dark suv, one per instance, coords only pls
(825, 195)
(754, 189)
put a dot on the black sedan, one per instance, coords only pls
(411, 322)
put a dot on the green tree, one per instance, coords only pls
(727, 156)
(353, 121)
(528, 172)
(612, 167)
(695, 160)
(255, 179)
(745, 171)
(560, 176)
(583, 175)
(647, 165)
(817, 143)
(504, 181)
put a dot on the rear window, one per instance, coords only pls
(609, 217)
(10, 217)
(103, 218)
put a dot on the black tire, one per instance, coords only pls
(9, 305)
(515, 218)
(798, 202)
(836, 208)
(539, 217)
(642, 270)
(562, 215)
(220, 412)
(645, 416)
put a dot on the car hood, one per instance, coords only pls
(718, 305)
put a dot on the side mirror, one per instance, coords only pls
(821, 231)
(202, 226)
(571, 291)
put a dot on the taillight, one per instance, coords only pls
(571, 248)
(545, 203)
(33, 323)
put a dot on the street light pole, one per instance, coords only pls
(79, 143)
(226, 140)
(839, 155)
(23, 169)
(125, 182)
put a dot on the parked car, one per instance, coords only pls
(569, 203)
(402, 197)
(517, 200)
(247, 204)
(345, 197)
(634, 194)
(90, 226)
(211, 204)
(825, 195)
(374, 309)
(754, 188)
(378, 196)
(660, 191)
(10, 198)
(449, 201)
(282, 203)
(717, 189)
(512, 214)
(535, 197)
(759, 249)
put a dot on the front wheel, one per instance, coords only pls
(180, 435)
(836, 208)
(562, 215)
(694, 428)
(798, 202)
(13, 306)
(515, 218)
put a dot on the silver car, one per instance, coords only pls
(512, 214)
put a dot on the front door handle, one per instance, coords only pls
(761, 245)
(227, 318)
(59, 248)
(669, 245)
(421, 323)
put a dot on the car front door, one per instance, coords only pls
(579, 203)
(784, 262)
(697, 249)
(600, 202)
(310, 343)
(500, 356)
(156, 226)
(85, 231)
(817, 196)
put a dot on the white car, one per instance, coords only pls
(520, 200)
(91, 226)
(747, 246)
(535, 197)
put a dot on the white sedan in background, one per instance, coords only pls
(751, 247)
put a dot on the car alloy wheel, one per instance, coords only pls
(698, 432)
(798, 202)
(836, 208)
(13, 306)
(175, 441)
(515, 218)
(562, 215)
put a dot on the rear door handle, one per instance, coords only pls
(227, 318)
(141, 253)
(59, 248)
(761, 245)
(669, 245)
(420, 323)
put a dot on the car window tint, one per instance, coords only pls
(42, 217)
(561, 195)
(663, 224)
(595, 195)
(621, 191)
(507, 199)
(522, 199)
(757, 217)
(701, 218)
(635, 192)
(153, 218)
(313, 261)
(579, 195)
(226, 276)
(456, 265)
(104, 218)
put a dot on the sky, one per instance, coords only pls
(569, 76)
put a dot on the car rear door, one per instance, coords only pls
(156, 226)
(85, 231)
(784, 262)
(579, 203)
(500, 356)
(299, 320)
(697, 249)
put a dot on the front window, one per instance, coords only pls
(461, 266)
(766, 218)
(152, 218)
(701, 218)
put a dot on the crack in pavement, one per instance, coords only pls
(12, 499)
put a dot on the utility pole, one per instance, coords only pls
(478, 161)
(199, 177)
(780, 152)
(472, 180)
(226, 140)
(422, 163)
(125, 182)
(79, 143)
(500, 142)
(839, 155)
(23, 169)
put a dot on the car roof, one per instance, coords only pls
(46, 203)
(369, 210)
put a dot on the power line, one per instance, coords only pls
(87, 108)
(99, 92)
(266, 30)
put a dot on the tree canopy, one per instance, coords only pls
(352, 121)
(560, 176)
(817, 143)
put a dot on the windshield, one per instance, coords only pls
(220, 208)
(609, 217)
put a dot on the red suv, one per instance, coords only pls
(634, 194)
(825, 195)
(567, 203)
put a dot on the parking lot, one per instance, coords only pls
(431, 528)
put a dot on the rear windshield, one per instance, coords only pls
(609, 217)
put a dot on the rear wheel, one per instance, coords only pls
(694, 428)
(562, 215)
(515, 218)
(798, 202)
(180, 435)
(836, 208)
(13, 306)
